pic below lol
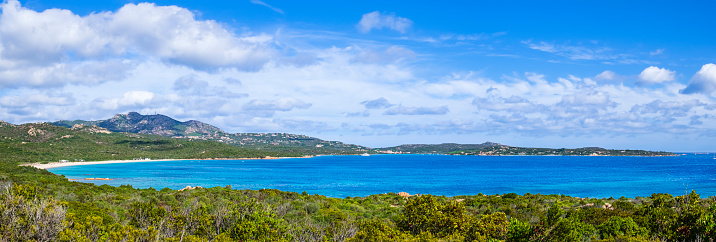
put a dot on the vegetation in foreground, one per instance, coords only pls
(39, 206)
(36, 205)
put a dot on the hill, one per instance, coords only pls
(158, 124)
(299, 145)
(435, 149)
(44, 142)
(490, 148)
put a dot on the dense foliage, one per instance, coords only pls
(37, 205)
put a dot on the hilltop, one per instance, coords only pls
(444, 148)
(493, 149)
(44, 142)
(158, 124)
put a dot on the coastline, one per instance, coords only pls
(82, 163)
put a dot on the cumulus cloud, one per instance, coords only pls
(402, 110)
(670, 109)
(192, 84)
(45, 37)
(173, 34)
(59, 74)
(510, 104)
(655, 74)
(378, 20)
(599, 99)
(131, 99)
(377, 103)
(56, 47)
(703, 82)
(36, 100)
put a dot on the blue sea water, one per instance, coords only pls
(343, 176)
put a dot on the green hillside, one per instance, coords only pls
(158, 124)
(436, 148)
(489, 149)
(44, 142)
(39, 206)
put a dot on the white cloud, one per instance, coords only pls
(34, 100)
(132, 99)
(30, 37)
(192, 84)
(281, 104)
(541, 46)
(703, 82)
(586, 98)
(259, 2)
(402, 110)
(377, 103)
(391, 54)
(510, 104)
(173, 34)
(59, 74)
(150, 58)
(378, 20)
(57, 47)
(580, 51)
(655, 74)
(606, 75)
(657, 52)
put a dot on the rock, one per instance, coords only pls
(189, 188)
(607, 206)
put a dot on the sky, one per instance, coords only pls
(556, 74)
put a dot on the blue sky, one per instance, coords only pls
(614, 74)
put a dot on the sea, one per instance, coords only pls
(448, 175)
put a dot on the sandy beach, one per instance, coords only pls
(81, 163)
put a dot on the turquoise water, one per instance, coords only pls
(342, 176)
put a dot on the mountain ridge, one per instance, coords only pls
(158, 124)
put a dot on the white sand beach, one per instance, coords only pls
(80, 163)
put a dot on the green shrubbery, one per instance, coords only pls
(40, 206)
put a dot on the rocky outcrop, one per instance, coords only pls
(90, 129)
(156, 124)
(189, 188)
